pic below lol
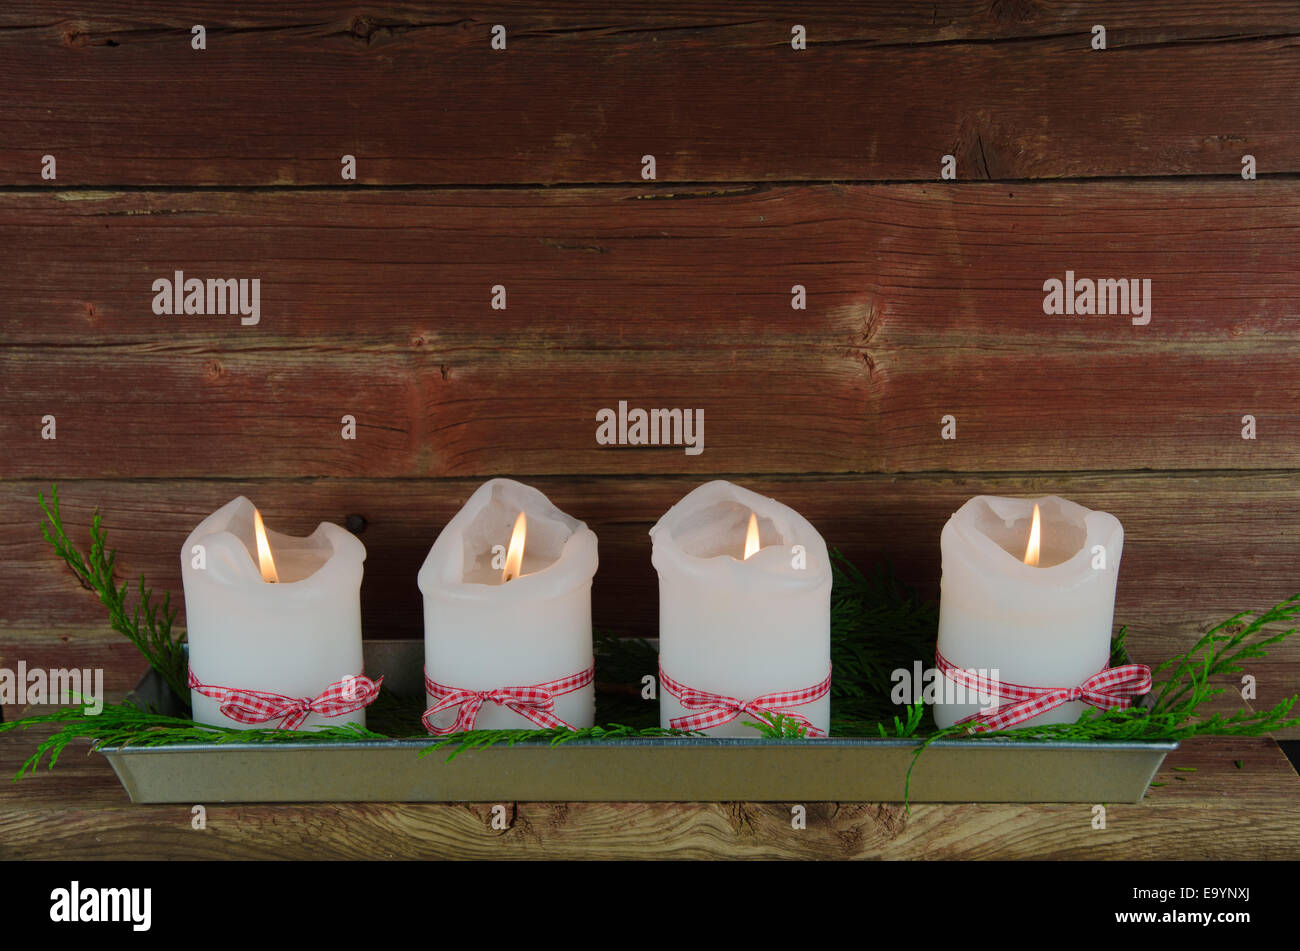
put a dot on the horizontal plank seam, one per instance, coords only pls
(618, 30)
(1085, 30)
(839, 476)
(733, 187)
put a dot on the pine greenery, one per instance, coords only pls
(124, 724)
(149, 627)
(481, 739)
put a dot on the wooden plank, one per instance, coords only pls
(93, 647)
(659, 267)
(867, 22)
(1198, 548)
(923, 301)
(583, 91)
(1273, 683)
(247, 414)
(1217, 812)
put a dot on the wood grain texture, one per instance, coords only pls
(923, 301)
(583, 91)
(93, 646)
(870, 22)
(1198, 547)
(1219, 811)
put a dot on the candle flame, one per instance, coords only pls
(515, 555)
(1035, 536)
(751, 536)
(264, 560)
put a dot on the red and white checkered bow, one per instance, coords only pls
(258, 706)
(719, 709)
(1112, 688)
(536, 702)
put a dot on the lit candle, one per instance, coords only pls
(744, 611)
(507, 615)
(273, 614)
(1028, 596)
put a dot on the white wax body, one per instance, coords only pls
(293, 637)
(482, 634)
(1038, 626)
(735, 627)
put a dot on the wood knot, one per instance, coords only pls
(891, 818)
(213, 370)
(742, 819)
(76, 36)
(1014, 11)
(366, 31)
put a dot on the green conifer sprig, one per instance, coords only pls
(481, 739)
(878, 625)
(149, 626)
(124, 724)
(778, 726)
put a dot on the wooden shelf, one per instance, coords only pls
(1217, 811)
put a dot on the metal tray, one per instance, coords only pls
(685, 769)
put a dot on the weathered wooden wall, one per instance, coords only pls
(522, 167)
(584, 89)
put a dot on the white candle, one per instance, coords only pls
(1037, 625)
(490, 625)
(741, 627)
(294, 636)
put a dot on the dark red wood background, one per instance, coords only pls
(775, 167)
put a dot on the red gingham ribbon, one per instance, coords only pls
(1111, 688)
(536, 702)
(719, 709)
(258, 706)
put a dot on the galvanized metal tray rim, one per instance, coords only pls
(697, 742)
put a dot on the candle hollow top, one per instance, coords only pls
(559, 550)
(993, 531)
(230, 550)
(704, 535)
